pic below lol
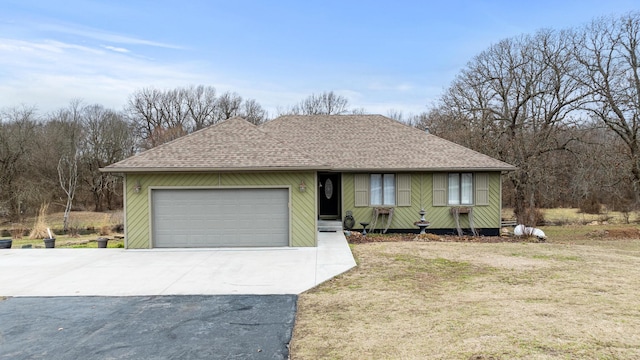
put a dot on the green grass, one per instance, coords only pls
(63, 241)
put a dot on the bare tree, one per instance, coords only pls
(145, 110)
(68, 136)
(68, 178)
(200, 102)
(108, 139)
(396, 115)
(228, 105)
(17, 134)
(411, 119)
(596, 170)
(511, 101)
(327, 103)
(253, 112)
(608, 51)
(160, 116)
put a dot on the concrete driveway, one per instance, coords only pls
(159, 304)
(119, 272)
(157, 327)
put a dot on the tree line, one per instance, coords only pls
(54, 158)
(561, 105)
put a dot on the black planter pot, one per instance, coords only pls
(5, 243)
(102, 242)
(50, 243)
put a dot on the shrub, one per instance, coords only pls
(533, 217)
(590, 205)
(105, 225)
(604, 218)
(17, 231)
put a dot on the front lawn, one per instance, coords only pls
(574, 298)
(85, 228)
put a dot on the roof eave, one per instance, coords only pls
(299, 168)
(427, 169)
(207, 169)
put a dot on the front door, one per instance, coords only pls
(329, 195)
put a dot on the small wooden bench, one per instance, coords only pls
(508, 223)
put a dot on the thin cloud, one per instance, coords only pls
(50, 73)
(51, 54)
(104, 36)
(379, 86)
(116, 49)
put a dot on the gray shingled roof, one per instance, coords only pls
(234, 144)
(375, 142)
(322, 142)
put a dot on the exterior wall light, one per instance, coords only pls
(303, 186)
(138, 187)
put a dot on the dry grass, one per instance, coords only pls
(87, 219)
(101, 223)
(81, 219)
(434, 300)
(575, 217)
(40, 229)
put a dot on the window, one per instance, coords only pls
(460, 189)
(383, 189)
(464, 189)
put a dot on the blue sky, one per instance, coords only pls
(381, 55)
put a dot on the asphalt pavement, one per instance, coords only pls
(159, 303)
(147, 327)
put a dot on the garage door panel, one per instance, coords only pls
(220, 217)
(199, 240)
(179, 240)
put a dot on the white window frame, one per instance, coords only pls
(460, 189)
(384, 194)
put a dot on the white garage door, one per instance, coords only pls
(220, 217)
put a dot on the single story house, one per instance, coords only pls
(238, 184)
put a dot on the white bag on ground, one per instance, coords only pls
(522, 230)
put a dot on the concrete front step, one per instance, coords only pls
(329, 225)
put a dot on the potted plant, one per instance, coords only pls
(102, 242)
(5, 243)
(49, 243)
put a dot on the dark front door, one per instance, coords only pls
(329, 195)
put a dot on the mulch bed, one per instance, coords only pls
(357, 238)
(621, 233)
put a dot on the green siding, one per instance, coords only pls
(422, 197)
(302, 213)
